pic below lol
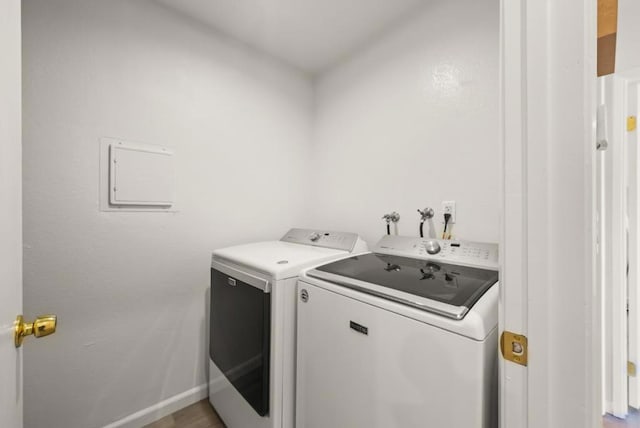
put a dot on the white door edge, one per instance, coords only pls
(512, 305)
(10, 212)
(618, 327)
(548, 287)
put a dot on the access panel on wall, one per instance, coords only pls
(136, 176)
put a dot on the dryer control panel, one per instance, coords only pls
(322, 238)
(466, 253)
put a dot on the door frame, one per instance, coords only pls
(621, 332)
(633, 349)
(548, 285)
(633, 320)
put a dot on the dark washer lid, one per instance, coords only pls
(395, 278)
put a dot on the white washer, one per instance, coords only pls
(252, 324)
(400, 337)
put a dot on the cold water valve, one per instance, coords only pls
(425, 214)
(392, 217)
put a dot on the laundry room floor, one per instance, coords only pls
(202, 415)
(632, 421)
(198, 415)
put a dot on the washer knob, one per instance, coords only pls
(432, 247)
(314, 236)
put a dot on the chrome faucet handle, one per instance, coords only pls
(393, 217)
(427, 213)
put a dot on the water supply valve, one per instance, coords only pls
(426, 213)
(393, 217)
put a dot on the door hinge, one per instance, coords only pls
(631, 123)
(631, 369)
(514, 347)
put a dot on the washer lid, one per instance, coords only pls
(276, 258)
(446, 289)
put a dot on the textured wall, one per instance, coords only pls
(408, 122)
(628, 36)
(411, 121)
(129, 288)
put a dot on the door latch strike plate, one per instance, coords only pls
(631, 123)
(514, 347)
(631, 369)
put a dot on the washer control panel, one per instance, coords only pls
(322, 238)
(467, 253)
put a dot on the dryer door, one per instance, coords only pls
(240, 335)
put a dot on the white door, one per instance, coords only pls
(10, 213)
(634, 250)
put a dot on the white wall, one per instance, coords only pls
(129, 288)
(628, 37)
(412, 120)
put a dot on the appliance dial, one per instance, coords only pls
(314, 237)
(432, 247)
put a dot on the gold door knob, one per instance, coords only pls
(44, 325)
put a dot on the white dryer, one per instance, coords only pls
(252, 324)
(403, 337)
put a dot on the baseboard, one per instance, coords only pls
(161, 409)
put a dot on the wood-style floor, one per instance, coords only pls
(198, 415)
(202, 415)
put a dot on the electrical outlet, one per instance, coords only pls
(449, 207)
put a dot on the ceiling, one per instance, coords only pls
(309, 34)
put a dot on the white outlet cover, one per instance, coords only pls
(449, 207)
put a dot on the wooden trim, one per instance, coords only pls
(607, 30)
(607, 17)
(606, 54)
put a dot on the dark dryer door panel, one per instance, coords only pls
(240, 338)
